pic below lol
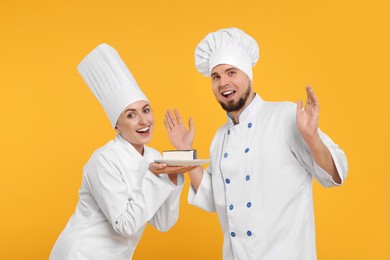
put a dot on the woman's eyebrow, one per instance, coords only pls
(130, 109)
(134, 110)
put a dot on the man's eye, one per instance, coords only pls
(215, 77)
(231, 73)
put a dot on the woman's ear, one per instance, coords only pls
(117, 130)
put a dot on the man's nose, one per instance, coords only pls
(223, 81)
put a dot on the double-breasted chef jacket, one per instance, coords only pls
(259, 181)
(117, 198)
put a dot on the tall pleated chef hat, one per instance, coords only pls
(227, 46)
(110, 81)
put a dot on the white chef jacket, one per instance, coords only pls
(117, 198)
(260, 183)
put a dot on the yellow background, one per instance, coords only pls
(51, 122)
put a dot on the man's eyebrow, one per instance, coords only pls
(213, 74)
(229, 69)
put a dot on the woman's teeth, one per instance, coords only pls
(143, 130)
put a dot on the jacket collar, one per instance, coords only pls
(248, 112)
(130, 148)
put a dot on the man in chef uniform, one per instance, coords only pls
(121, 189)
(262, 160)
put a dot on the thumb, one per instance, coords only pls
(299, 107)
(161, 166)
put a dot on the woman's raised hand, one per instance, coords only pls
(181, 137)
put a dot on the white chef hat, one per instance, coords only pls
(227, 46)
(110, 81)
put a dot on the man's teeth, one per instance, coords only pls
(226, 93)
(143, 130)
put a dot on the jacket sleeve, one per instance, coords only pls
(167, 215)
(303, 155)
(340, 160)
(127, 211)
(203, 198)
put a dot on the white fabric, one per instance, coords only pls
(227, 46)
(110, 81)
(260, 183)
(118, 197)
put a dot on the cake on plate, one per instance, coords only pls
(179, 155)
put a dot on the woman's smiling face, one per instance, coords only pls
(135, 124)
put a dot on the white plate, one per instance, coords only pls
(184, 162)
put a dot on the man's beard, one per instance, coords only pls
(230, 106)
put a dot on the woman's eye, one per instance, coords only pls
(130, 115)
(146, 110)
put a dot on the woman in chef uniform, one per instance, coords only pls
(122, 188)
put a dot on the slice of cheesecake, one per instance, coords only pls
(179, 155)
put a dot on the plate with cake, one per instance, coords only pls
(181, 158)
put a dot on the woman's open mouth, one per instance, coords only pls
(144, 131)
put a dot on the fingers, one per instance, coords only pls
(178, 169)
(173, 119)
(167, 126)
(308, 99)
(191, 125)
(169, 120)
(311, 96)
(163, 168)
(161, 165)
(174, 169)
(156, 168)
(178, 117)
(155, 165)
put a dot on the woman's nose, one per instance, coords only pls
(142, 120)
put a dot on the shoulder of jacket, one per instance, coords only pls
(107, 151)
